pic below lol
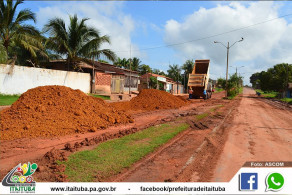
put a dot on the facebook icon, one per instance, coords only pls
(248, 181)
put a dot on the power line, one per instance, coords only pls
(176, 44)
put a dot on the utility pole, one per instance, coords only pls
(93, 77)
(184, 82)
(157, 83)
(130, 69)
(226, 85)
(228, 47)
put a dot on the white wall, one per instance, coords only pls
(19, 79)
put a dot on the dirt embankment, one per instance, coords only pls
(50, 111)
(56, 111)
(13, 151)
(151, 99)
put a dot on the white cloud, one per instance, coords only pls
(107, 17)
(264, 45)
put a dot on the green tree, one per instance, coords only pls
(221, 82)
(135, 64)
(187, 67)
(78, 41)
(274, 79)
(3, 54)
(122, 63)
(157, 71)
(255, 80)
(174, 72)
(153, 82)
(16, 36)
(143, 69)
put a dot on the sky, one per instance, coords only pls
(154, 30)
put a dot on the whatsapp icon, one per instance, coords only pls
(274, 182)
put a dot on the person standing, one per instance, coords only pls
(190, 93)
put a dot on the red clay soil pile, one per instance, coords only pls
(152, 99)
(49, 111)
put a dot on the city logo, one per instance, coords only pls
(248, 181)
(274, 182)
(20, 179)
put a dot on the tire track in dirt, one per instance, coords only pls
(180, 158)
(14, 152)
(259, 132)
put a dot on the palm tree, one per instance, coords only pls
(135, 64)
(15, 36)
(188, 69)
(174, 72)
(3, 54)
(157, 71)
(78, 41)
(188, 66)
(143, 69)
(122, 63)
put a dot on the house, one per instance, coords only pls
(108, 78)
(164, 83)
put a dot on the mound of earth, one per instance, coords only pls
(151, 99)
(49, 111)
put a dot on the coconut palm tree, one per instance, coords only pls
(188, 69)
(77, 41)
(174, 72)
(188, 66)
(122, 63)
(17, 36)
(135, 64)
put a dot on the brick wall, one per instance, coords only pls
(102, 78)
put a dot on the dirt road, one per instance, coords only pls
(187, 156)
(29, 149)
(258, 132)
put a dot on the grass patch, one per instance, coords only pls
(6, 100)
(217, 89)
(214, 109)
(267, 94)
(110, 157)
(288, 100)
(201, 116)
(273, 94)
(100, 96)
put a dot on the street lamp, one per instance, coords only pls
(228, 47)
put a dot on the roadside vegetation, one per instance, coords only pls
(218, 89)
(267, 94)
(234, 86)
(100, 96)
(6, 100)
(273, 83)
(274, 95)
(111, 157)
(274, 79)
(201, 116)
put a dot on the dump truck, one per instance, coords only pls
(199, 80)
